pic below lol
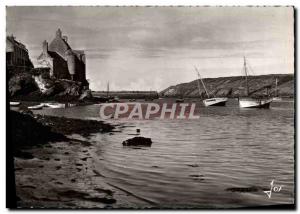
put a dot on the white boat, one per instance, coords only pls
(54, 105)
(255, 103)
(14, 103)
(69, 105)
(248, 102)
(36, 107)
(218, 101)
(214, 101)
(277, 99)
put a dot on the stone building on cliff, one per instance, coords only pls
(62, 60)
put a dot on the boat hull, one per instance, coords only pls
(37, 107)
(54, 105)
(217, 101)
(255, 103)
(14, 103)
(277, 99)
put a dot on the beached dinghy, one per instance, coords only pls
(55, 105)
(248, 102)
(215, 101)
(179, 100)
(14, 103)
(36, 107)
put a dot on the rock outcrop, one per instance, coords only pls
(138, 141)
(36, 85)
(234, 86)
(86, 95)
(27, 132)
(21, 84)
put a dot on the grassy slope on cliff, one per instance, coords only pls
(234, 86)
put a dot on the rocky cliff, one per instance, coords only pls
(235, 86)
(36, 85)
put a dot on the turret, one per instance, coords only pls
(45, 47)
(58, 33)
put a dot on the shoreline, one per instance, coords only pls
(60, 172)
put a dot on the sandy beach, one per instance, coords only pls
(63, 175)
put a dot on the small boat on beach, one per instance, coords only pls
(249, 102)
(114, 100)
(54, 105)
(14, 103)
(214, 101)
(179, 100)
(36, 107)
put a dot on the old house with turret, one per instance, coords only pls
(62, 61)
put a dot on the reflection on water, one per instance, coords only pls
(192, 163)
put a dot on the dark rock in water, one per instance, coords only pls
(193, 165)
(245, 189)
(138, 141)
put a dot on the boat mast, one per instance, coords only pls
(107, 92)
(276, 89)
(246, 77)
(199, 77)
(198, 83)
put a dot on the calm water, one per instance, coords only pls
(192, 162)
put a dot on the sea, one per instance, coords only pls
(227, 158)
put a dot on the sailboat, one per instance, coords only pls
(111, 99)
(276, 98)
(248, 102)
(214, 101)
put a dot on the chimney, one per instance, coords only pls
(58, 33)
(65, 38)
(45, 47)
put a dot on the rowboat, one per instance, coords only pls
(36, 107)
(179, 100)
(54, 105)
(14, 103)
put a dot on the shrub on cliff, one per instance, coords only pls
(21, 84)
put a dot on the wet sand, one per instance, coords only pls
(63, 174)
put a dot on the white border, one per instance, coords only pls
(4, 3)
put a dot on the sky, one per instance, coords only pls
(152, 48)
